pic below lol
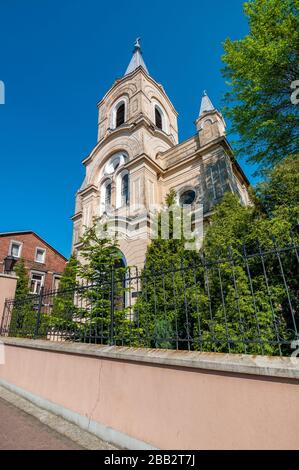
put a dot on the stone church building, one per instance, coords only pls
(138, 159)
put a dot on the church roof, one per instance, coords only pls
(206, 104)
(137, 59)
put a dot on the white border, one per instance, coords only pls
(45, 252)
(17, 242)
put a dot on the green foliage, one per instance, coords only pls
(22, 288)
(229, 227)
(63, 305)
(69, 276)
(253, 301)
(260, 69)
(221, 299)
(279, 192)
(23, 317)
(165, 294)
(102, 271)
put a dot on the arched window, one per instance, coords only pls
(114, 162)
(125, 189)
(158, 118)
(108, 192)
(120, 115)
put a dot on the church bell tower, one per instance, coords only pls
(138, 160)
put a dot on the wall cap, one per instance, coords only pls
(9, 276)
(268, 366)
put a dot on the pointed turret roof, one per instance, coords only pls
(137, 59)
(206, 104)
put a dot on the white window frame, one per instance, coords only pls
(121, 100)
(109, 168)
(35, 256)
(37, 273)
(119, 202)
(104, 185)
(15, 242)
(165, 126)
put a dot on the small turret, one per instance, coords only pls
(210, 123)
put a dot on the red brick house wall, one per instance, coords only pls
(54, 262)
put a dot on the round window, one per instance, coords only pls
(187, 197)
(114, 162)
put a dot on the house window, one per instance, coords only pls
(56, 281)
(15, 249)
(158, 118)
(120, 115)
(36, 283)
(125, 189)
(40, 255)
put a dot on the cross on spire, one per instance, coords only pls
(137, 60)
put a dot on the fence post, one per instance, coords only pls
(112, 307)
(39, 309)
(3, 315)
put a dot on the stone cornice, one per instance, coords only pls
(77, 216)
(200, 151)
(265, 366)
(89, 189)
(128, 129)
(140, 158)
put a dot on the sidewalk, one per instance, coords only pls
(24, 426)
(20, 431)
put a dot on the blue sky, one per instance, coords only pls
(58, 58)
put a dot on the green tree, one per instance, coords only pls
(64, 309)
(104, 316)
(23, 319)
(247, 291)
(278, 194)
(164, 307)
(260, 69)
(22, 288)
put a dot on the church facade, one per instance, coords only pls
(138, 160)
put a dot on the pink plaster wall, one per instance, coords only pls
(167, 407)
(7, 290)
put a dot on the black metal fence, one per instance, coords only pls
(243, 302)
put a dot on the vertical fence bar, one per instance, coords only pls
(39, 310)
(245, 257)
(208, 291)
(277, 252)
(274, 322)
(112, 307)
(186, 307)
(237, 300)
(4, 314)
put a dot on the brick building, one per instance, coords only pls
(43, 262)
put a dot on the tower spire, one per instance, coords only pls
(137, 59)
(206, 104)
(210, 123)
